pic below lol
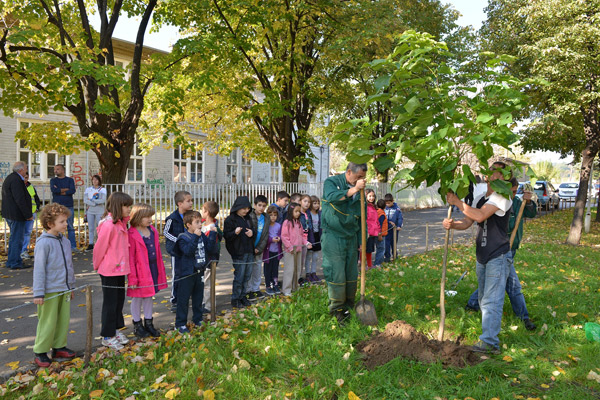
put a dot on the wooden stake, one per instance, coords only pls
(90, 325)
(213, 291)
(427, 237)
(443, 284)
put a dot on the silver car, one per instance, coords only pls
(568, 190)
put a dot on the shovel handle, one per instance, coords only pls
(443, 284)
(517, 222)
(363, 246)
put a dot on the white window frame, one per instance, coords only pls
(275, 169)
(189, 164)
(245, 167)
(44, 176)
(134, 157)
(232, 165)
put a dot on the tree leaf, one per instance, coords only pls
(412, 104)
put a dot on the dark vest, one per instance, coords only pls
(492, 236)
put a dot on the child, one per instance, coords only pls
(191, 248)
(314, 237)
(383, 223)
(259, 224)
(173, 228)
(283, 198)
(295, 198)
(111, 260)
(239, 241)
(292, 238)
(373, 227)
(307, 227)
(53, 277)
(394, 217)
(272, 253)
(209, 213)
(146, 269)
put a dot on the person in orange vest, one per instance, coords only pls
(383, 223)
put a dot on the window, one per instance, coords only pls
(232, 167)
(40, 165)
(187, 167)
(246, 169)
(135, 169)
(274, 171)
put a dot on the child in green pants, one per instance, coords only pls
(53, 278)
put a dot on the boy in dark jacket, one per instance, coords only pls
(191, 250)
(395, 220)
(173, 228)
(260, 224)
(239, 241)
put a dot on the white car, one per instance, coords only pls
(568, 190)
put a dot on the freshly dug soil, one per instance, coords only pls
(401, 339)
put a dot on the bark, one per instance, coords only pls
(290, 174)
(598, 206)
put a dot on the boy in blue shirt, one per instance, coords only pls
(395, 220)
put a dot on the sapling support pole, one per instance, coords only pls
(213, 291)
(90, 325)
(443, 283)
(517, 221)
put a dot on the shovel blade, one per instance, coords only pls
(365, 311)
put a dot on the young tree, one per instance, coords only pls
(556, 41)
(51, 58)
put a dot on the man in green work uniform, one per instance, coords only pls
(340, 240)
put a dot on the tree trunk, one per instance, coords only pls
(598, 206)
(290, 174)
(587, 159)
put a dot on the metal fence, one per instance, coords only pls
(161, 197)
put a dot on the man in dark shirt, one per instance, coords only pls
(63, 189)
(491, 212)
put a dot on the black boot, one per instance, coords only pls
(139, 331)
(150, 328)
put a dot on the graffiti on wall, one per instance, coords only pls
(79, 174)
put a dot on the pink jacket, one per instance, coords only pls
(111, 250)
(292, 235)
(139, 274)
(373, 227)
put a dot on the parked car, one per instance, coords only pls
(526, 187)
(547, 194)
(568, 190)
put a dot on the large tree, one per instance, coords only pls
(51, 58)
(558, 41)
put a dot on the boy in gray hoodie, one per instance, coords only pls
(53, 278)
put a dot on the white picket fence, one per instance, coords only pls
(161, 197)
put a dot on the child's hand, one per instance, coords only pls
(309, 246)
(198, 232)
(399, 228)
(276, 239)
(72, 295)
(255, 251)
(249, 232)
(238, 230)
(39, 300)
(214, 229)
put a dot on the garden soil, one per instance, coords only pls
(401, 339)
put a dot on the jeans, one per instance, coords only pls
(242, 270)
(379, 250)
(310, 265)
(192, 286)
(513, 290)
(15, 242)
(271, 268)
(255, 275)
(491, 278)
(27, 234)
(70, 229)
(93, 220)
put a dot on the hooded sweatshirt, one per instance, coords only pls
(238, 244)
(53, 266)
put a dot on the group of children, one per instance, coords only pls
(256, 238)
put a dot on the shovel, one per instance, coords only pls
(365, 310)
(443, 284)
(452, 292)
(517, 221)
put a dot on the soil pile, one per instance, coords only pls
(401, 339)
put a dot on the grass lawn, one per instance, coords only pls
(290, 348)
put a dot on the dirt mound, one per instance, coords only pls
(400, 339)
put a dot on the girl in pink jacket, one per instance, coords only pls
(111, 260)
(146, 269)
(292, 239)
(373, 226)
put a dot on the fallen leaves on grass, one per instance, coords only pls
(593, 376)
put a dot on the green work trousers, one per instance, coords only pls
(340, 267)
(53, 324)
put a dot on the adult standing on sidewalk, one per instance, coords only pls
(94, 198)
(16, 210)
(35, 206)
(341, 228)
(63, 189)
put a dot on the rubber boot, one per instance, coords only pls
(150, 328)
(139, 330)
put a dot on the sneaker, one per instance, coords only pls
(112, 342)
(301, 282)
(483, 347)
(469, 308)
(251, 296)
(42, 360)
(62, 353)
(90, 247)
(529, 325)
(277, 289)
(270, 291)
(183, 330)
(316, 278)
(259, 294)
(245, 302)
(25, 256)
(121, 338)
(205, 310)
(342, 315)
(236, 304)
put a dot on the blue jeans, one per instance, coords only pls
(388, 244)
(190, 287)
(15, 243)
(513, 290)
(242, 271)
(70, 230)
(491, 278)
(27, 234)
(379, 250)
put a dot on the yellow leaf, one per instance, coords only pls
(571, 314)
(166, 357)
(544, 386)
(507, 358)
(224, 336)
(352, 396)
(408, 307)
(117, 154)
(171, 394)
(209, 395)
(96, 394)
(13, 365)
(13, 348)
(71, 331)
